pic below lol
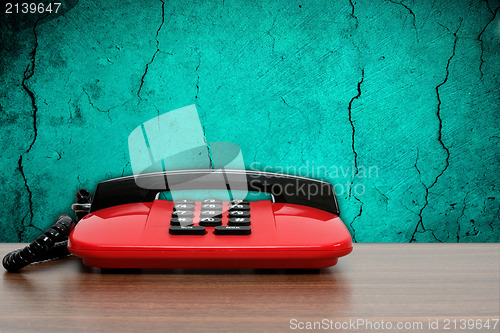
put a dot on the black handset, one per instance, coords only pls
(283, 188)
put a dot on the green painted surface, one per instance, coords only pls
(397, 103)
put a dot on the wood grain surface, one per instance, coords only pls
(389, 282)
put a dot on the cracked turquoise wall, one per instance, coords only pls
(395, 102)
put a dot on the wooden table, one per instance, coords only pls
(396, 283)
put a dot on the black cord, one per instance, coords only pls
(52, 244)
(82, 205)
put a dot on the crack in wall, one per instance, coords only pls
(496, 217)
(30, 201)
(461, 215)
(352, 13)
(440, 140)
(355, 218)
(268, 32)
(488, 6)
(69, 108)
(351, 224)
(438, 110)
(20, 232)
(209, 150)
(411, 13)
(420, 219)
(156, 51)
(80, 183)
(306, 118)
(481, 43)
(27, 75)
(385, 198)
(426, 198)
(349, 108)
(107, 111)
(197, 78)
(123, 169)
(95, 107)
(475, 232)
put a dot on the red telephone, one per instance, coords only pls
(129, 227)
(126, 225)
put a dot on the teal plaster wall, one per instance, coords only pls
(395, 102)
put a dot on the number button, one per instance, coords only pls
(189, 230)
(183, 207)
(239, 213)
(239, 221)
(184, 201)
(240, 202)
(211, 206)
(231, 230)
(210, 221)
(239, 207)
(210, 213)
(184, 221)
(182, 213)
(212, 201)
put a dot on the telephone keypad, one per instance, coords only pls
(191, 217)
